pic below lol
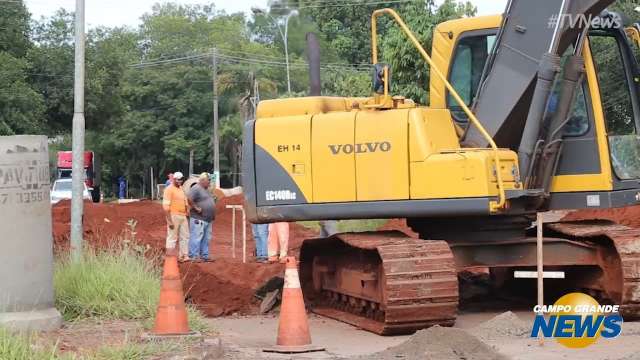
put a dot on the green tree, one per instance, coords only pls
(171, 87)
(347, 27)
(410, 71)
(14, 23)
(21, 107)
(52, 65)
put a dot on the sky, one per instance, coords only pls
(128, 12)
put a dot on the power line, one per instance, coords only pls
(267, 57)
(168, 61)
(267, 61)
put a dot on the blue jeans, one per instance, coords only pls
(199, 236)
(261, 235)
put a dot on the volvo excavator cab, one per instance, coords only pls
(522, 118)
(601, 146)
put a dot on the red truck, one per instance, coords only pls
(91, 171)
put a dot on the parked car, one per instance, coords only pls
(61, 190)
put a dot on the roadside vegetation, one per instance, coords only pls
(15, 346)
(119, 283)
(20, 346)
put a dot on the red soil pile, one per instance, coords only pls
(629, 216)
(223, 287)
(106, 224)
(226, 286)
(399, 225)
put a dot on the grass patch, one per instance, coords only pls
(349, 225)
(15, 346)
(135, 351)
(113, 284)
(107, 284)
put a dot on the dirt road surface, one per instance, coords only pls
(245, 337)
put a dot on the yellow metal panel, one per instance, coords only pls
(590, 182)
(454, 175)
(334, 170)
(288, 141)
(445, 37)
(382, 156)
(583, 182)
(430, 130)
(460, 174)
(301, 106)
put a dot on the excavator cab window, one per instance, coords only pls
(471, 54)
(617, 78)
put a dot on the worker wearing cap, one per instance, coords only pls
(202, 213)
(174, 204)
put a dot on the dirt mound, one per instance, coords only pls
(223, 287)
(629, 216)
(400, 225)
(504, 325)
(439, 343)
(105, 224)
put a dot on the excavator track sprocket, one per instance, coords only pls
(383, 282)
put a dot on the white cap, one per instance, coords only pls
(178, 175)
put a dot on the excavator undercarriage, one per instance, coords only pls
(389, 283)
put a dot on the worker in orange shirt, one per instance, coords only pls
(174, 203)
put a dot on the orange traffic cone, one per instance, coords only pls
(171, 315)
(293, 328)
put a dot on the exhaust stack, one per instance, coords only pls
(313, 54)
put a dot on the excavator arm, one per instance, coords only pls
(524, 65)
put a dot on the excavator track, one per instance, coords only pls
(624, 287)
(383, 282)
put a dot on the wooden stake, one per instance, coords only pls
(540, 262)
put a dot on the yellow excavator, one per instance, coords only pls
(534, 110)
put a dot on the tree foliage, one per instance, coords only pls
(149, 89)
(21, 106)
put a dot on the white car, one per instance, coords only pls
(61, 190)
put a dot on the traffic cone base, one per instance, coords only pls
(293, 327)
(293, 349)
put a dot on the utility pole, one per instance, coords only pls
(256, 98)
(216, 138)
(152, 184)
(190, 162)
(77, 172)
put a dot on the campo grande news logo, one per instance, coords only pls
(576, 320)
